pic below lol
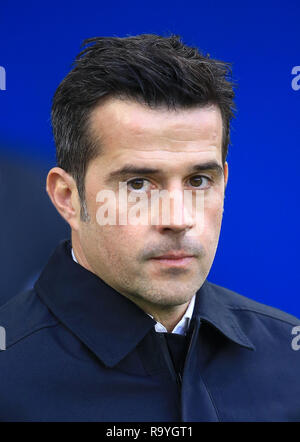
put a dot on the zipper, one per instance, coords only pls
(192, 342)
(177, 377)
(168, 359)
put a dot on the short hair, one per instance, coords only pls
(151, 69)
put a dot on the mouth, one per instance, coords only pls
(176, 259)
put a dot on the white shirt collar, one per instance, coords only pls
(73, 256)
(182, 326)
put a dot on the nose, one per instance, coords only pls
(171, 210)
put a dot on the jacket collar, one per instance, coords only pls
(106, 321)
(211, 306)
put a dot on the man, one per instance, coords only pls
(122, 324)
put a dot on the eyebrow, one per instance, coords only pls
(130, 169)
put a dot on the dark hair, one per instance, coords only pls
(151, 69)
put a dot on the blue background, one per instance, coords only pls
(258, 249)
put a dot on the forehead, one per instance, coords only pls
(127, 129)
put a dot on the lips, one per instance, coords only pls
(177, 259)
(174, 256)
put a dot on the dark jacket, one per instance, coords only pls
(77, 350)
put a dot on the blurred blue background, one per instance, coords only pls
(259, 243)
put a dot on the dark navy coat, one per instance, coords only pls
(77, 350)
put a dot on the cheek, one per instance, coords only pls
(119, 243)
(113, 240)
(213, 213)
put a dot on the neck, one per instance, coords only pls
(168, 316)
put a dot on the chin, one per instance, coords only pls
(168, 297)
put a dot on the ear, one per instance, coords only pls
(62, 190)
(225, 173)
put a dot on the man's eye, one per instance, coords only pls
(199, 181)
(137, 184)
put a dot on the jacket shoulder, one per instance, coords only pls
(23, 315)
(237, 302)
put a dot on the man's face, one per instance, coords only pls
(171, 143)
